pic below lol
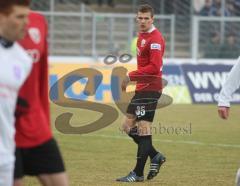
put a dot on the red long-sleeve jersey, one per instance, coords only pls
(33, 122)
(150, 51)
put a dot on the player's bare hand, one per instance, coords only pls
(125, 83)
(223, 112)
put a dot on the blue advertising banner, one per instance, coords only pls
(187, 82)
(205, 82)
(173, 74)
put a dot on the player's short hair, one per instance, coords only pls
(6, 5)
(145, 8)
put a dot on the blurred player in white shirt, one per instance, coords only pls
(15, 67)
(230, 86)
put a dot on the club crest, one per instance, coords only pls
(35, 35)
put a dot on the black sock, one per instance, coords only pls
(152, 151)
(144, 147)
(134, 134)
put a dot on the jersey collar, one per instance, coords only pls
(5, 43)
(151, 29)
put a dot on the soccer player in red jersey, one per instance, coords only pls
(141, 110)
(37, 153)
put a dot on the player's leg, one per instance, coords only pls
(57, 179)
(6, 174)
(156, 163)
(129, 127)
(238, 178)
(129, 123)
(53, 174)
(45, 162)
(144, 129)
(144, 146)
(18, 168)
(140, 135)
(145, 149)
(18, 182)
(157, 158)
(145, 112)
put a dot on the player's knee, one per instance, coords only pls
(129, 122)
(56, 179)
(18, 182)
(144, 128)
(61, 179)
(126, 127)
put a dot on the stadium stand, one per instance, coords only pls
(224, 26)
(86, 30)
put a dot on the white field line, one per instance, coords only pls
(169, 141)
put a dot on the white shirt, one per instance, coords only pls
(230, 86)
(15, 66)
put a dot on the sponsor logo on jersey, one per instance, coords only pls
(17, 72)
(34, 54)
(155, 46)
(35, 35)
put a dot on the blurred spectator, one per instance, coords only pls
(237, 7)
(230, 50)
(109, 2)
(213, 48)
(217, 8)
(170, 6)
(230, 8)
(87, 2)
(214, 8)
(198, 5)
(206, 10)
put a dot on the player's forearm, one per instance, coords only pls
(143, 75)
(151, 69)
(146, 78)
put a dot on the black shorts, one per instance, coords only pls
(43, 159)
(143, 105)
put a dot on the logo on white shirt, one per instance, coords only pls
(155, 46)
(17, 72)
(34, 54)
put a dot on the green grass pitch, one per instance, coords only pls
(201, 149)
